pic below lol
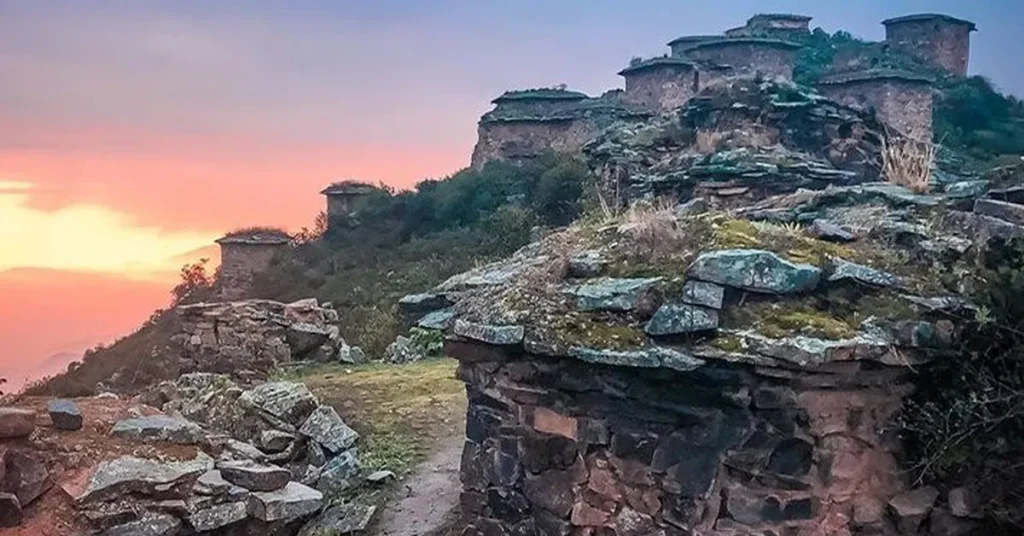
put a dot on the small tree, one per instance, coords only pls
(193, 277)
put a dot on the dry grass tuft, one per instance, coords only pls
(908, 162)
(708, 141)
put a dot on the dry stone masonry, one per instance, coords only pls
(242, 256)
(941, 41)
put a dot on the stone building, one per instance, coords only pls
(245, 253)
(526, 124)
(343, 198)
(680, 45)
(901, 100)
(749, 56)
(940, 41)
(661, 84)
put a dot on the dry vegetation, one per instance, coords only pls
(908, 162)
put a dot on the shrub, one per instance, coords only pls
(973, 117)
(908, 162)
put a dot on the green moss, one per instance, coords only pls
(787, 241)
(727, 343)
(805, 322)
(589, 331)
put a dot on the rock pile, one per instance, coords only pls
(252, 337)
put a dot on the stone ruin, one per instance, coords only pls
(251, 338)
(690, 371)
(244, 254)
(526, 123)
(345, 199)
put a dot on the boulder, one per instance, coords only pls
(148, 525)
(339, 473)
(847, 271)
(352, 355)
(286, 402)
(911, 508)
(129, 474)
(830, 231)
(26, 475)
(615, 294)
(304, 338)
(253, 476)
(339, 519)
(964, 503)
(680, 318)
(272, 441)
(403, 350)
(1008, 212)
(327, 428)
(16, 422)
(490, 334)
(64, 414)
(294, 501)
(703, 293)
(755, 271)
(159, 428)
(10, 510)
(220, 515)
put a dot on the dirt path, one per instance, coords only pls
(427, 501)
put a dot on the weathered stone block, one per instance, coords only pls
(681, 318)
(703, 294)
(549, 422)
(615, 294)
(326, 427)
(253, 476)
(64, 414)
(16, 422)
(755, 270)
(911, 508)
(294, 501)
(1009, 212)
(489, 334)
(552, 491)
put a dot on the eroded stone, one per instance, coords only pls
(755, 270)
(291, 502)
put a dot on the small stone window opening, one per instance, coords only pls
(845, 131)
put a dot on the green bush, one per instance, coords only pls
(972, 117)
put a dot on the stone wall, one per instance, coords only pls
(749, 57)
(903, 104)
(519, 140)
(534, 107)
(941, 43)
(239, 262)
(681, 45)
(661, 88)
(564, 447)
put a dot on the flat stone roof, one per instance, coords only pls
(694, 39)
(542, 94)
(256, 236)
(780, 16)
(348, 188)
(920, 17)
(836, 79)
(654, 63)
(728, 41)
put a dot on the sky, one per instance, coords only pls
(134, 133)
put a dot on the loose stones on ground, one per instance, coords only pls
(64, 414)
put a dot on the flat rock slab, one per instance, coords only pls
(64, 414)
(326, 427)
(16, 422)
(159, 428)
(129, 474)
(218, 516)
(756, 271)
(253, 476)
(848, 271)
(340, 519)
(292, 502)
(272, 441)
(654, 357)
(150, 525)
(1010, 212)
(680, 318)
(832, 232)
(439, 320)
(614, 294)
(703, 293)
(287, 401)
(490, 334)
(212, 483)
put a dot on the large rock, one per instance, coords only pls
(339, 473)
(287, 402)
(848, 271)
(165, 428)
(273, 441)
(26, 476)
(148, 525)
(703, 293)
(403, 350)
(339, 519)
(327, 428)
(615, 294)
(291, 502)
(496, 335)
(220, 515)
(10, 510)
(211, 483)
(756, 271)
(910, 509)
(352, 355)
(16, 422)
(129, 474)
(1009, 212)
(680, 318)
(64, 414)
(304, 338)
(253, 476)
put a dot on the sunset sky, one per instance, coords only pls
(133, 133)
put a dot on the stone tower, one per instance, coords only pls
(660, 84)
(345, 198)
(940, 41)
(245, 253)
(901, 100)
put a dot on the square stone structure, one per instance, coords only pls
(661, 84)
(901, 100)
(749, 56)
(526, 124)
(343, 198)
(680, 45)
(940, 41)
(245, 254)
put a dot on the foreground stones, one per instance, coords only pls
(65, 414)
(253, 476)
(293, 501)
(756, 271)
(16, 422)
(159, 428)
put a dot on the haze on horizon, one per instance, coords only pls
(132, 134)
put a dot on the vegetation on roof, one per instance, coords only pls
(875, 74)
(694, 39)
(916, 17)
(726, 41)
(640, 64)
(347, 186)
(545, 93)
(257, 233)
(779, 16)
